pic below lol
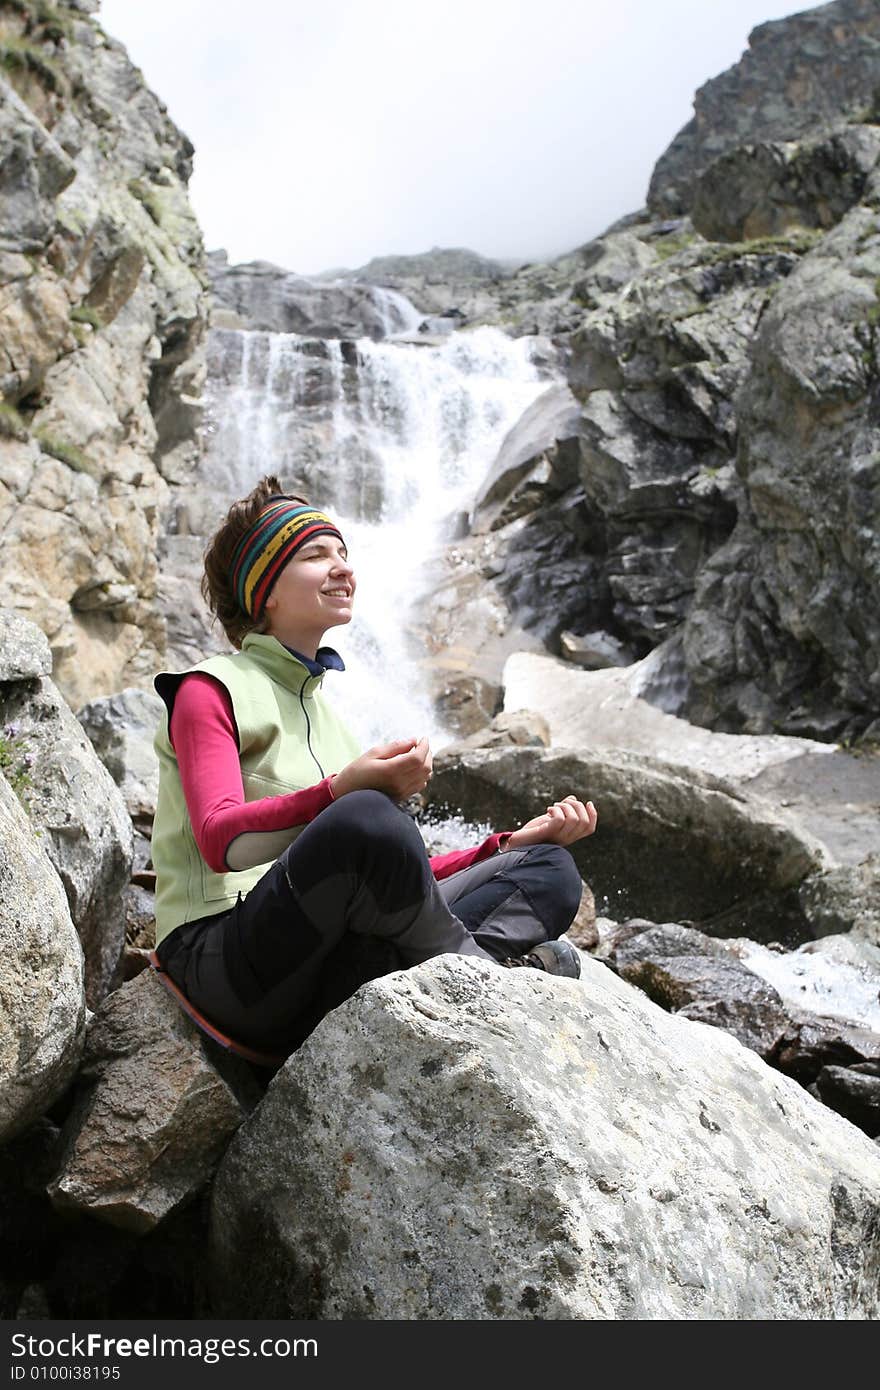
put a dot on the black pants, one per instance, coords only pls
(352, 898)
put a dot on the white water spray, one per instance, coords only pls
(392, 438)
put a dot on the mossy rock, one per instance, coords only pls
(65, 452)
(12, 426)
(84, 313)
(19, 55)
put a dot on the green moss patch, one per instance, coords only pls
(798, 241)
(21, 56)
(15, 762)
(668, 246)
(64, 452)
(12, 426)
(147, 197)
(84, 313)
(44, 17)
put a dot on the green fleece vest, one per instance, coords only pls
(289, 739)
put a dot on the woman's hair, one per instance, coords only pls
(217, 580)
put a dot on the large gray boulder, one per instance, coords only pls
(76, 807)
(832, 792)
(799, 75)
(673, 843)
(458, 1142)
(121, 729)
(549, 425)
(846, 899)
(153, 1115)
(764, 190)
(42, 1001)
(608, 709)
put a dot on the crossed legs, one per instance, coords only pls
(353, 897)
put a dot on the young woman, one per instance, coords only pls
(279, 847)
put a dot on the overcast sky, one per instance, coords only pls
(331, 131)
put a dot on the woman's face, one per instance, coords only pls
(314, 591)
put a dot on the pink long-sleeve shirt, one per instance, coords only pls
(205, 740)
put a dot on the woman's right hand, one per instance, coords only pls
(399, 769)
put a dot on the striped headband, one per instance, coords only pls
(263, 551)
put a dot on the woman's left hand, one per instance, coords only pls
(562, 823)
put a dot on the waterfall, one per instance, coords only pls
(399, 316)
(393, 439)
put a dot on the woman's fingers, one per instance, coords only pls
(572, 819)
(575, 826)
(408, 764)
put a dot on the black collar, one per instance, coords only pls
(326, 659)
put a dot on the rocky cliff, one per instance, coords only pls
(798, 77)
(102, 310)
(720, 495)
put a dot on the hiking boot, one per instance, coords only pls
(553, 957)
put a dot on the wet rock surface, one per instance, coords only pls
(832, 792)
(689, 973)
(817, 1043)
(854, 1092)
(264, 297)
(673, 842)
(730, 985)
(551, 423)
(717, 991)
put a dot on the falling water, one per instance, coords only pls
(394, 439)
